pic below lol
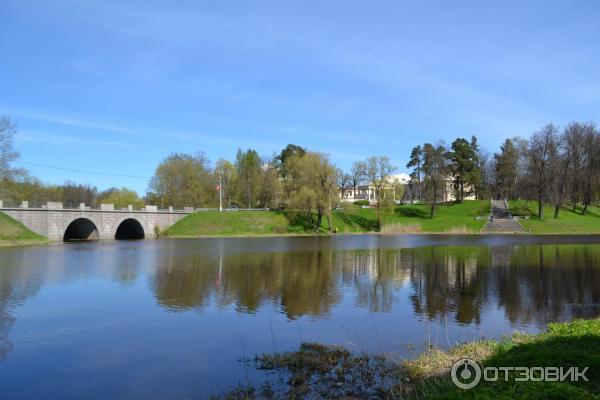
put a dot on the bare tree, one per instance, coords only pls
(567, 144)
(344, 182)
(591, 145)
(378, 172)
(7, 152)
(541, 150)
(358, 172)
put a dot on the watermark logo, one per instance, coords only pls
(466, 374)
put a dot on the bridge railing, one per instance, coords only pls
(53, 205)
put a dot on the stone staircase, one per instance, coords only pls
(502, 221)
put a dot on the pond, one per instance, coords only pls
(173, 318)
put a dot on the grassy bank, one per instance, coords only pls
(14, 233)
(316, 371)
(567, 221)
(414, 218)
(457, 218)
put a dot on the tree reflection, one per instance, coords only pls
(531, 284)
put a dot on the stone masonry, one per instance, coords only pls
(52, 220)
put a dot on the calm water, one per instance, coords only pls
(171, 318)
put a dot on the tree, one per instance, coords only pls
(270, 185)
(357, 172)
(542, 148)
(73, 194)
(248, 166)
(435, 170)
(344, 182)
(378, 172)
(228, 174)
(183, 180)
(463, 165)
(506, 170)
(311, 185)
(416, 162)
(486, 168)
(289, 151)
(591, 145)
(567, 145)
(7, 155)
(121, 198)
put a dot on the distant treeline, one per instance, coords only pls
(552, 166)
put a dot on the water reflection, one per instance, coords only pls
(170, 318)
(531, 284)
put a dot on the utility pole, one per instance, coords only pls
(220, 194)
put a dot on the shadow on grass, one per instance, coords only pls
(567, 349)
(412, 212)
(299, 221)
(354, 220)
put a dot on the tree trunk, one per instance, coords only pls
(432, 214)
(319, 219)
(540, 207)
(378, 209)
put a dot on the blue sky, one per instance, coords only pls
(115, 86)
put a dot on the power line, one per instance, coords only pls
(82, 170)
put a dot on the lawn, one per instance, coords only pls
(567, 222)
(12, 232)
(457, 218)
(413, 218)
(229, 223)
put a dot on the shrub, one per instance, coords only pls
(361, 203)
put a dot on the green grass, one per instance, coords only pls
(573, 344)
(457, 218)
(453, 218)
(567, 222)
(12, 232)
(230, 223)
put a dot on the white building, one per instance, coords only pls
(367, 191)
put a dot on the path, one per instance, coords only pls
(502, 221)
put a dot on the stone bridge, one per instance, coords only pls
(83, 223)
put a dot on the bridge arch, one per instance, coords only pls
(81, 229)
(130, 228)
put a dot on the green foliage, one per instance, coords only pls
(183, 180)
(464, 166)
(361, 203)
(249, 173)
(311, 186)
(121, 198)
(506, 169)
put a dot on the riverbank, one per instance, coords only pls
(467, 217)
(333, 372)
(568, 221)
(14, 233)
